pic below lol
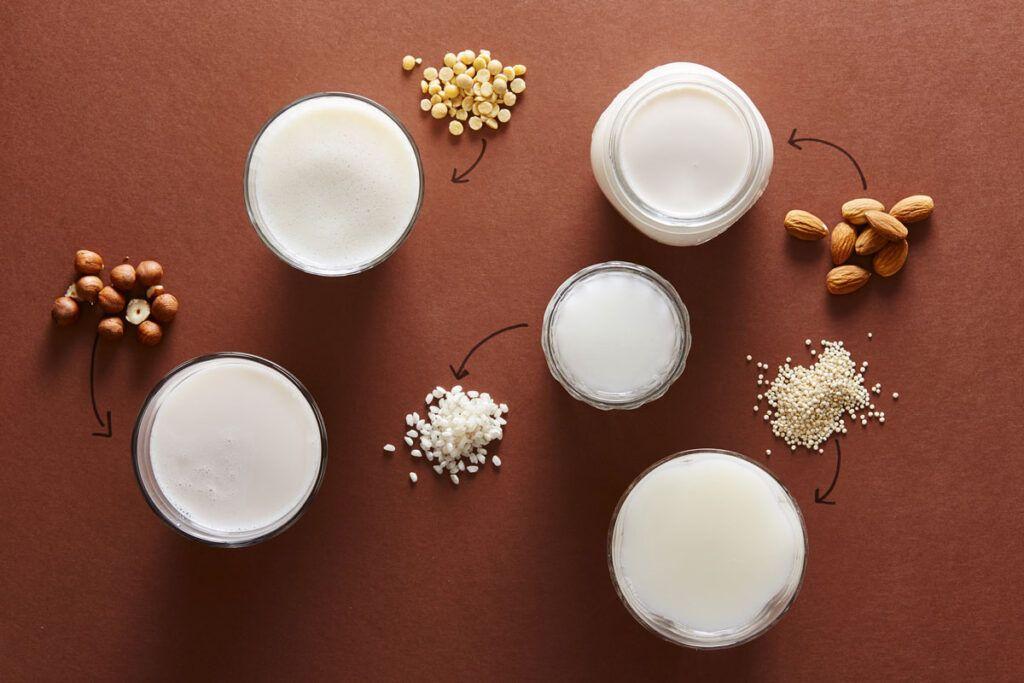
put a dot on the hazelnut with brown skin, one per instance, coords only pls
(65, 311)
(150, 273)
(88, 262)
(122, 277)
(164, 308)
(149, 333)
(88, 287)
(111, 329)
(155, 291)
(111, 301)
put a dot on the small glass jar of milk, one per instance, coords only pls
(333, 184)
(229, 449)
(682, 153)
(616, 335)
(707, 549)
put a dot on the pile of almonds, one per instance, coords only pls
(151, 308)
(883, 235)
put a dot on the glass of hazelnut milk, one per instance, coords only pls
(333, 184)
(229, 449)
(682, 153)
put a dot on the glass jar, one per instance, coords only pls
(743, 177)
(792, 530)
(674, 346)
(393, 133)
(147, 479)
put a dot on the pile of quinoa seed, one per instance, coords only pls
(806, 405)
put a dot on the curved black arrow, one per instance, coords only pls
(793, 139)
(461, 177)
(462, 371)
(92, 394)
(821, 498)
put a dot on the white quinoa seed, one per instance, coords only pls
(496, 461)
(413, 477)
(389, 448)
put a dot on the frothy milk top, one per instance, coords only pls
(685, 151)
(707, 541)
(335, 182)
(235, 446)
(616, 332)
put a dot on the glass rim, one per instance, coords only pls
(629, 401)
(748, 190)
(689, 638)
(264, 234)
(296, 513)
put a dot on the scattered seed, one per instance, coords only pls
(412, 477)
(389, 448)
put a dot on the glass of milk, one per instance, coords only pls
(682, 153)
(229, 449)
(616, 335)
(707, 549)
(333, 183)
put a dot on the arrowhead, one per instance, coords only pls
(818, 498)
(110, 428)
(792, 139)
(456, 178)
(460, 373)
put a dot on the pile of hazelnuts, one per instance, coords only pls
(148, 311)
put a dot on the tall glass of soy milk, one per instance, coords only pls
(616, 335)
(682, 153)
(333, 184)
(229, 449)
(707, 549)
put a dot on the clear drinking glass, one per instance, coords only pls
(605, 400)
(146, 478)
(680, 634)
(256, 218)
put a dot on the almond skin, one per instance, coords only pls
(891, 258)
(854, 210)
(869, 241)
(913, 209)
(846, 279)
(805, 226)
(890, 227)
(843, 239)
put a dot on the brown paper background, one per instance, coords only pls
(125, 128)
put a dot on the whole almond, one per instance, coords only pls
(890, 227)
(891, 258)
(854, 210)
(843, 239)
(805, 226)
(913, 209)
(846, 279)
(869, 241)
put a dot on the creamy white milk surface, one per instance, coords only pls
(616, 332)
(333, 182)
(707, 541)
(235, 446)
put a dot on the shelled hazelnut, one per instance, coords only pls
(88, 262)
(165, 307)
(65, 311)
(150, 273)
(149, 333)
(111, 329)
(122, 277)
(111, 301)
(154, 291)
(137, 312)
(88, 287)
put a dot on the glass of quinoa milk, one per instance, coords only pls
(229, 449)
(616, 335)
(682, 153)
(707, 549)
(333, 184)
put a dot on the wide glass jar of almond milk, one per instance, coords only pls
(682, 153)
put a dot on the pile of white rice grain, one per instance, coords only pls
(456, 431)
